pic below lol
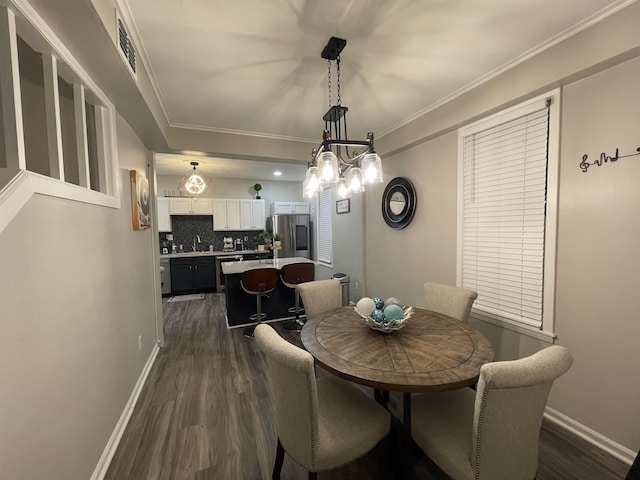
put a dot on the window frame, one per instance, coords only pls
(23, 21)
(547, 330)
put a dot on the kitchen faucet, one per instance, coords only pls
(194, 241)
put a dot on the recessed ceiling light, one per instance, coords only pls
(277, 173)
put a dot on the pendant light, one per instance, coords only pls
(335, 160)
(194, 184)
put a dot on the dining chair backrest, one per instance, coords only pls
(510, 401)
(449, 300)
(294, 385)
(320, 296)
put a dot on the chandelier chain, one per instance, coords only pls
(338, 81)
(329, 80)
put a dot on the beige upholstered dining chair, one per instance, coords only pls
(449, 300)
(320, 296)
(322, 424)
(492, 433)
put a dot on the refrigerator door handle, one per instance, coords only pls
(292, 238)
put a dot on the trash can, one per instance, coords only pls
(344, 286)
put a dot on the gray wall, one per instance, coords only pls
(76, 292)
(597, 304)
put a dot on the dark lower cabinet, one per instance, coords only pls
(204, 275)
(193, 275)
(181, 276)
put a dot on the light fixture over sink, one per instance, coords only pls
(332, 161)
(194, 184)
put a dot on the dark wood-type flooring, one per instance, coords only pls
(206, 413)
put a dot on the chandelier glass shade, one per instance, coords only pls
(351, 164)
(354, 180)
(194, 184)
(372, 168)
(328, 167)
(342, 189)
(311, 184)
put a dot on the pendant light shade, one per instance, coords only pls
(354, 180)
(372, 168)
(328, 166)
(311, 184)
(342, 189)
(195, 184)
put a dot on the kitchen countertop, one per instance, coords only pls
(230, 268)
(207, 253)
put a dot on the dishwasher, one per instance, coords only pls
(165, 276)
(219, 275)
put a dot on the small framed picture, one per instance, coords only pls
(343, 206)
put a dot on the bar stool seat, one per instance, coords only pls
(258, 282)
(292, 275)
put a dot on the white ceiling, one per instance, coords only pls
(254, 67)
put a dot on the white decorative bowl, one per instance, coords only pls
(391, 326)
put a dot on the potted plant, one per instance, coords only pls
(276, 240)
(263, 239)
(257, 187)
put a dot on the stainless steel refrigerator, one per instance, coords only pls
(295, 234)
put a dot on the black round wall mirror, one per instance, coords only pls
(399, 202)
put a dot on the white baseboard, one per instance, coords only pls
(110, 449)
(613, 448)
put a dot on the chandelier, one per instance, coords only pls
(193, 183)
(340, 160)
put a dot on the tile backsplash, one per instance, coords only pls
(186, 227)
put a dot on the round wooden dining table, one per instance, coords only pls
(433, 352)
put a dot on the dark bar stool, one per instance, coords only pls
(258, 282)
(292, 275)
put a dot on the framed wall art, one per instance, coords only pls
(343, 206)
(140, 201)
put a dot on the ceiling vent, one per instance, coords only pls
(126, 48)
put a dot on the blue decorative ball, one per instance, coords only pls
(393, 312)
(377, 315)
(379, 302)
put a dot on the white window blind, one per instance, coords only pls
(504, 181)
(325, 233)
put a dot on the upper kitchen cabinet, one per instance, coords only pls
(278, 208)
(252, 216)
(164, 217)
(226, 214)
(190, 206)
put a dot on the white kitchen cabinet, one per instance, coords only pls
(201, 206)
(226, 214)
(278, 208)
(164, 217)
(252, 216)
(190, 206)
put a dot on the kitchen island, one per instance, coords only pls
(241, 305)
